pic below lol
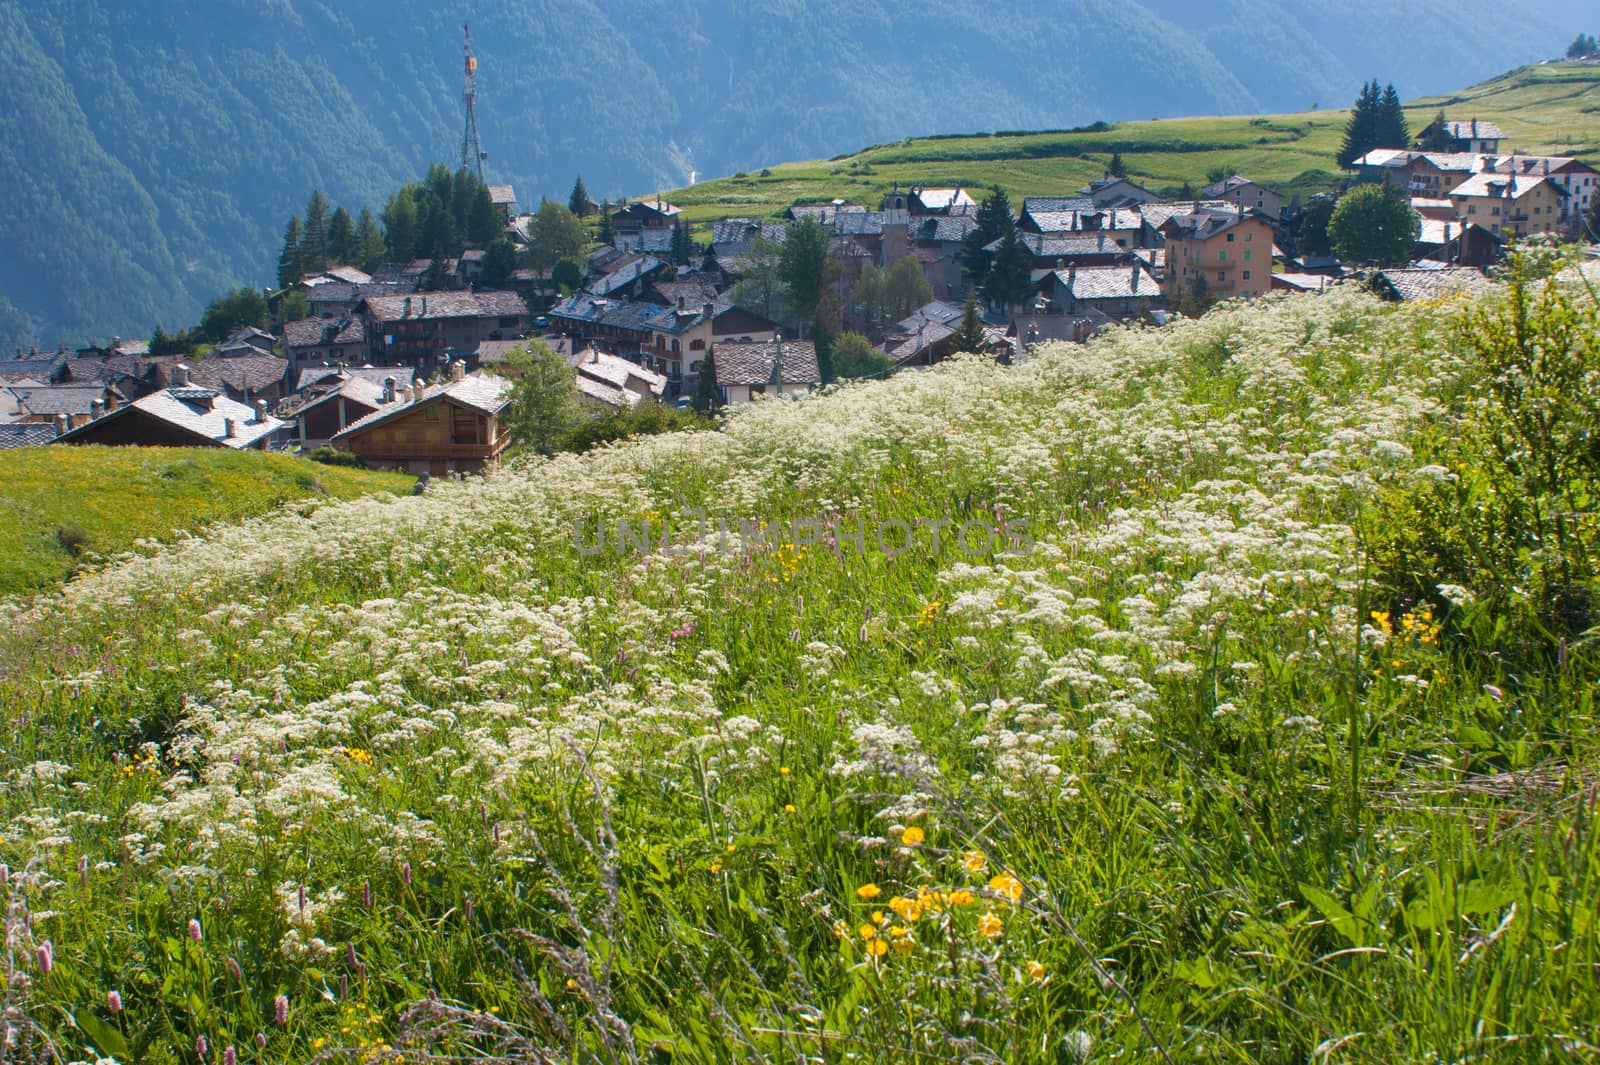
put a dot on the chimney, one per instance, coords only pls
(388, 390)
(424, 313)
(777, 362)
(227, 428)
(97, 409)
(261, 411)
(681, 302)
(178, 376)
(405, 308)
(458, 370)
(1134, 280)
(62, 424)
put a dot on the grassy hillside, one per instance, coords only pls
(1548, 109)
(1162, 691)
(61, 504)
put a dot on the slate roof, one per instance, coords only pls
(1225, 186)
(246, 374)
(502, 195)
(823, 212)
(1505, 186)
(26, 434)
(751, 364)
(943, 199)
(106, 368)
(1413, 283)
(1109, 282)
(1434, 231)
(50, 400)
(936, 312)
(1474, 130)
(618, 314)
(605, 378)
(625, 275)
(431, 306)
(1207, 222)
(358, 389)
(944, 229)
(694, 292)
(38, 365)
(314, 376)
(200, 411)
(1057, 204)
(324, 332)
(1055, 245)
(483, 393)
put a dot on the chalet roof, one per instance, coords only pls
(1437, 231)
(1109, 282)
(41, 365)
(321, 332)
(399, 273)
(1046, 327)
(1413, 283)
(624, 275)
(823, 212)
(353, 389)
(660, 208)
(1055, 245)
(1057, 204)
(1232, 183)
(743, 230)
(751, 364)
(1504, 186)
(944, 229)
(607, 377)
(247, 338)
(107, 368)
(58, 399)
(502, 195)
(903, 346)
(935, 312)
(26, 434)
(434, 306)
(199, 411)
(1303, 282)
(328, 376)
(1472, 129)
(943, 199)
(482, 392)
(694, 291)
(1207, 222)
(617, 314)
(250, 373)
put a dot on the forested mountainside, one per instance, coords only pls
(151, 150)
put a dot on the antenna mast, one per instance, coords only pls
(472, 155)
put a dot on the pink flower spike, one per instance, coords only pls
(194, 929)
(47, 957)
(114, 1001)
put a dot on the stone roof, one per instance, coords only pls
(1504, 186)
(327, 376)
(1437, 231)
(1207, 222)
(943, 199)
(1109, 282)
(1225, 186)
(246, 374)
(200, 411)
(625, 275)
(481, 392)
(1413, 283)
(944, 229)
(1473, 130)
(26, 434)
(502, 195)
(58, 399)
(751, 364)
(433, 306)
(320, 332)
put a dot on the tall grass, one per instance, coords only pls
(1157, 775)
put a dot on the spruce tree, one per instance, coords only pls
(994, 216)
(341, 238)
(482, 227)
(400, 226)
(289, 270)
(1360, 132)
(1010, 280)
(314, 244)
(605, 236)
(969, 336)
(1116, 168)
(1392, 130)
(578, 202)
(369, 242)
(682, 248)
(1436, 138)
(704, 396)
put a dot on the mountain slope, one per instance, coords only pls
(154, 149)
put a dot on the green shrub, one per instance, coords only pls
(332, 456)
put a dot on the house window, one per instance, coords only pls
(1222, 275)
(1248, 237)
(1222, 256)
(1247, 256)
(697, 345)
(1230, 238)
(1247, 275)
(432, 413)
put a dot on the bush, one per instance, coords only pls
(647, 419)
(332, 456)
(73, 538)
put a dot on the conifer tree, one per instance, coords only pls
(969, 336)
(578, 203)
(1360, 132)
(482, 221)
(682, 248)
(369, 242)
(994, 215)
(704, 396)
(1436, 138)
(1010, 279)
(341, 238)
(314, 244)
(1116, 168)
(1392, 130)
(605, 236)
(400, 226)
(289, 270)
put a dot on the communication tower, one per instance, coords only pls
(472, 153)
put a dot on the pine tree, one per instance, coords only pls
(578, 203)
(605, 236)
(682, 248)
(1436, 138)
(483, 226)
(1582, 45)
(1186, 192)
(341, 238)
(1010, 280)
(289, 270)
(1392, 130)
(1116, 168)
(994, 216)
(400, 226)
(369, 242)
(1360, 132)
(969, 336)
(314, 245)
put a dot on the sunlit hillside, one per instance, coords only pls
(1190, 696)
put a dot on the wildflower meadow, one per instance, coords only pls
(1271, 740)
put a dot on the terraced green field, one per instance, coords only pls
(1548, 109)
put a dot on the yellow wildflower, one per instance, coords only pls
(990, 926)
(868, 932)
(788, 808)
(877, 948)
(1007, 885)
(912, 836)
(904, 946)
(1035, 971)
(962, 897)
(868, 891)
(972, 861)
(909, 910)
